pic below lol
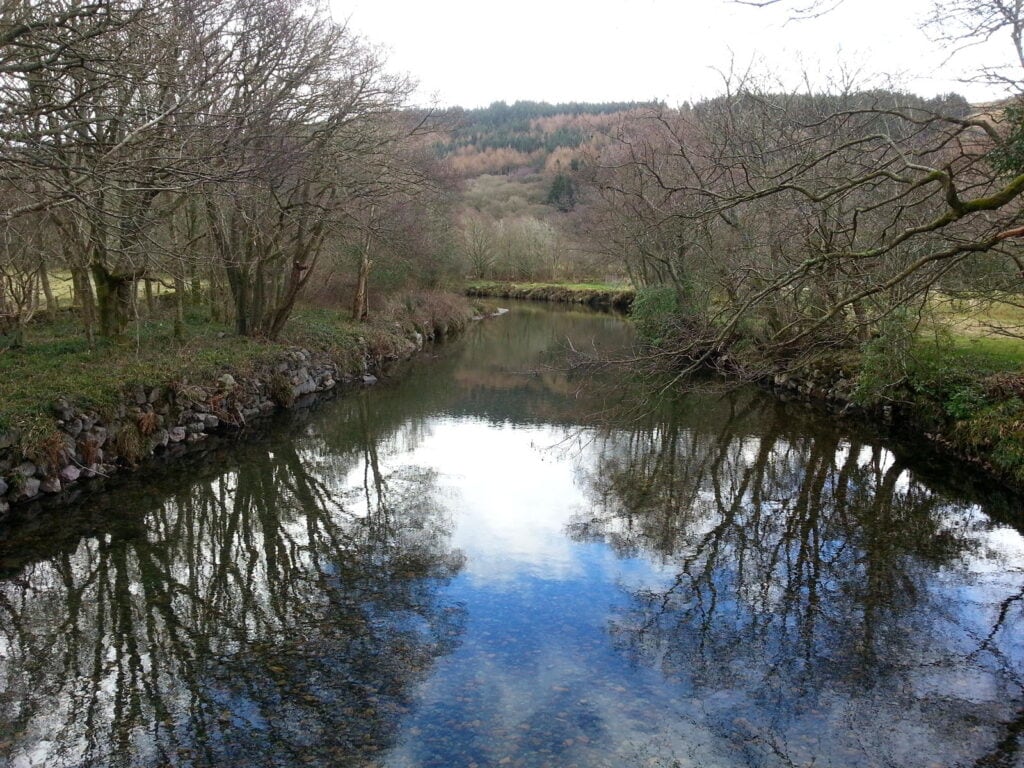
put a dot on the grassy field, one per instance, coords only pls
(63, 291)
(991, 330)
(57, 361)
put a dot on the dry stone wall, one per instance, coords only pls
(168, 419)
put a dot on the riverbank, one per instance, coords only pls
(592, 294)
(963, 394)
(963, 397)
(72, 413)
(967, 403)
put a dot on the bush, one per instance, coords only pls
(655, 313)
(886, 362)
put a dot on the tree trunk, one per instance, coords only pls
(17, 334)
(240, 294)
(179, 308)
(113, 299)
(361, 302)
(85, 300)
(44, 281)
(296, 280)
(863, 326)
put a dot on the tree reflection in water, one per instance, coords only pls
(277, 614)
(818, 599)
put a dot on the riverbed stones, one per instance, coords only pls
(50, 485)
(176, 434)
(70, 473)
(369, 379)
(3, 487)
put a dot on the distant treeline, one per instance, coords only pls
(501, 125)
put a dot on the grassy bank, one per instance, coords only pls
(964, 393)
(593, 294)
(952, 372)
(56, 360)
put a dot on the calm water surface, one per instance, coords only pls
(491, 564)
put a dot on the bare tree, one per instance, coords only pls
(794, 223)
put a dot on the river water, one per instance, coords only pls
(498, 562)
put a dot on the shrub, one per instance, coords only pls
(655, 312)
(886, 362)
(281, 390)
(130, 443)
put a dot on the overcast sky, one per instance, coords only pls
(472, 52)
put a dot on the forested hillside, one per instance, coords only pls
(519, 168)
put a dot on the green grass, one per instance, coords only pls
(63, 289)
(986, 329)
(1002, 352)
(56, 361)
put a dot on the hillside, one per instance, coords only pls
(518, 214)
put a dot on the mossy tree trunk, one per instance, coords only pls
(113, 299)
(179, 308)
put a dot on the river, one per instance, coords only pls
(496, 560)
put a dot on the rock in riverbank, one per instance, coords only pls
(166, 419)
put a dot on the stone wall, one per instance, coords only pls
(166, 420)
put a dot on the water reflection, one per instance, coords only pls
(482, 566)
(278, 613)
(818, 600)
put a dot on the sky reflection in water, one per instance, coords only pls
(472, 568)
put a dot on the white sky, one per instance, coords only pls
(472, 52)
